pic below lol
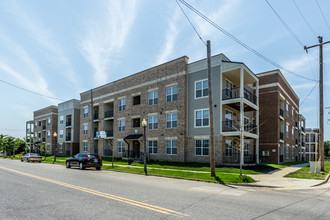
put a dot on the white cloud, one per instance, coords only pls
(105, 37)
(170, 37)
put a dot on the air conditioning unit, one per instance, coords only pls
(265, 153)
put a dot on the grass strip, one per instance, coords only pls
(304, 173)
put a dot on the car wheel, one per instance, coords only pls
(68, 164)
(21, 160)
(98, 168)
(81, 166)
(27, 160)
(39, 161)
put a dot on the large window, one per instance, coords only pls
(228, 118)
(121, 125)
(85, 112)
(229, 89)
(202, 147)
(171, 147)
(153, 122)
(202, 118)
(229, 148)
(201, 88)
(152, 146)
(122, 104)
(85, 145)
(171, 94)
(171, 120)
(85, 128)
(246, 149)
(121, 147)
(153, 98)
(61, 119)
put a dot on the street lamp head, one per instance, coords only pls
(55, 134)
(144, 123)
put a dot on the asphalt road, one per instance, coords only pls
(46, 191)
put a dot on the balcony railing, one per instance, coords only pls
(234, 93)
(281, 135)
(109, 133)
(232, 125)
(296, 124)
(296, 141)
(303, 144)
(44, 127)
(43, 139)
(235, 158)
(68, 138)
(281, 112)
(303, 129)
(96, 116)
(68, 123)
(108, 114)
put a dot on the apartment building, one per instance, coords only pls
(279, 117)
(45, 124)
(173, 99)
(302, 137)
(29, 133)
(312, 139)
(68, 127)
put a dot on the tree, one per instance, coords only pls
(327, 148)
(43, 150)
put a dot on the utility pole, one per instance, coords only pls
(212, 151)
(92, 124)
(320, 45)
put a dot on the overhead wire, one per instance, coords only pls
(309, 94)
(325, 20)
(50, 97)
(310, 27)
(243, 44)
(285, 25)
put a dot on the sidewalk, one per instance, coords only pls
(277, 179)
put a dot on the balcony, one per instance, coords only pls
(109, 133)
(44, 127)
(108, 114)
(296, 124)
(43, 139)
(281, 135)
(281, 112)
(96, 116)
(296, 141)
(68, 137)
(234, 93)
(302, 129)
(68, 123)
(232, 126)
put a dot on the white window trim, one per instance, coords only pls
(152, 90)
(201, 80)
(171, 138)
(171, 120)
(171, 147)
(202, 118)
(201, 148)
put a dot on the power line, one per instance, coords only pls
(285, 25)
(309, 94)
(304, 18)
(241, 43)
(30, 91)
(322, 14)
(191, 23)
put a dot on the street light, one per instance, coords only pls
(144, 125)
(54, 135)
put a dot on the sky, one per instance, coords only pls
(62, 48)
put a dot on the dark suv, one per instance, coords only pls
(83, 160)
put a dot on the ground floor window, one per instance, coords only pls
(171, 147)
(202, 147)
(85, 146)
(246, 149)
(229, 148)
(121, 147)
(152, 146)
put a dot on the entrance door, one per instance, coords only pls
(136, 149)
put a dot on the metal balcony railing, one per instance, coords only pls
(234, 93)
(235, 158)
(68, 123)
(281, 135)
(109, 133)
(232, 125)
(96, 116)
(108, 114)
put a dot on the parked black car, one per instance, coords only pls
(83, 160)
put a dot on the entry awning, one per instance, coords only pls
(133, 137)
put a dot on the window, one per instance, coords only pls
(152, 146)
(287, 152)
(202, 118)
(85, 146)
(171, 147)
(48, 134)
(287, 109)
(136, 122)
(61, 119)
(172, 94)
(202, 147)
(201, 89)
(121, 147)
(292, 152)
(85, 112)
(228, 119)
(121, 125)
(36, 124)
(48, 148)
(49, 121)
(122, 104)
(292, 113)
(60, 148)
(39, 135)
(229, 148)
(39, 123)
(153, 98)
(171, 120)
(292, 128)
(229, 89)
(35, 134)
(61, 133)
(246, 149)
(287, 130)
(153, 122)
(85, 128)
(137, 100)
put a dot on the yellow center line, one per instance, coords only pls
(105, 195)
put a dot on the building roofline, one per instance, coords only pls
(281, 74)
(51, 106)
(220, 54)
(71, 100)
(183, 57)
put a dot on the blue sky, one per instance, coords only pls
(62, 48)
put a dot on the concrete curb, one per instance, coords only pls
(255, 185)
(323, 182)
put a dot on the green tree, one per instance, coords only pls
(327, 148)
(43, 150)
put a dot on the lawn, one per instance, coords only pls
(304, 173)
(283, 165)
